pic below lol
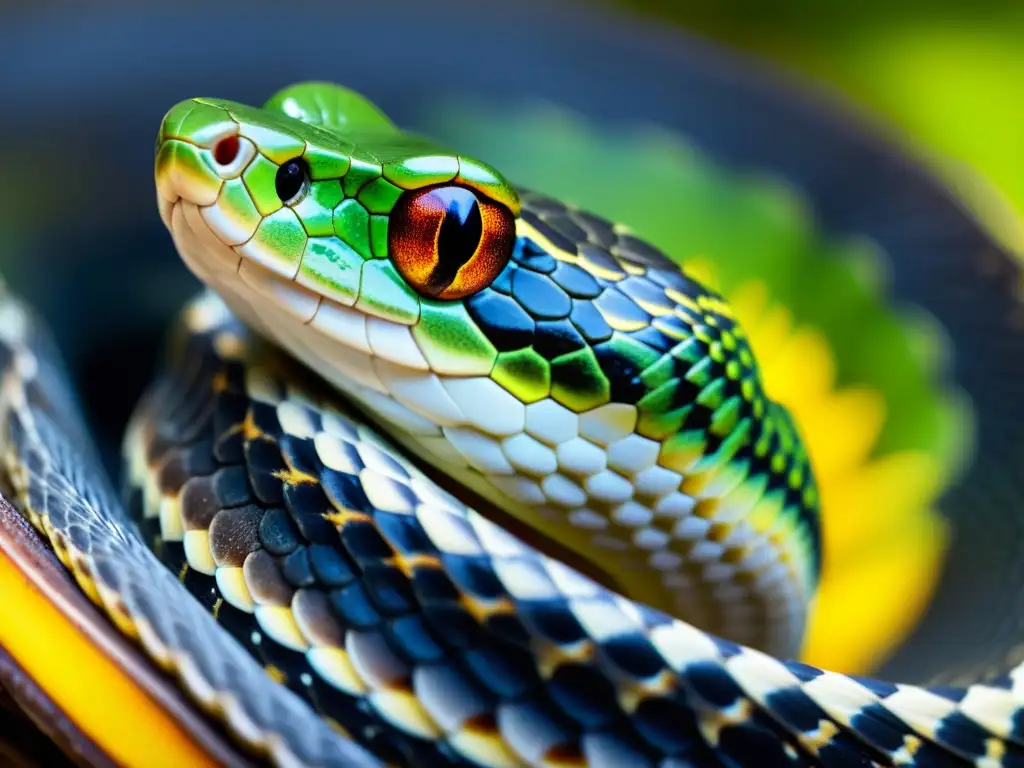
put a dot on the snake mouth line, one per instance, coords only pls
(234, 273)
(241, 275)
(373, 359)
(203, 254)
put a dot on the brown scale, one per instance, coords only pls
(234, 533)
(267, 584)
(234, 541)
(564, 755)
(198, 503)
(312, 608)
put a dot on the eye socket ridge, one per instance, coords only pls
(449, 241)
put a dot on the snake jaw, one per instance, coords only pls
(166, 208)
(187, 171)
(372, 359)
(208, 258)
(331, 338)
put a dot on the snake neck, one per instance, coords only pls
(594, 393)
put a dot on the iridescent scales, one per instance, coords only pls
(681, 447)
(430, 633)
(591, 388)
(433, 636)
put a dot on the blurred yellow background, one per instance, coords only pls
(947, 75)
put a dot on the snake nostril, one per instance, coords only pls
(226, 150)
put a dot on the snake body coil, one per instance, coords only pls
(344, 608)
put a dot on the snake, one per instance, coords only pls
(437, 470)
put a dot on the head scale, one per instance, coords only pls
(318, 184)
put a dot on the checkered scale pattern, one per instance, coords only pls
(604, 399)
(48, 465)
(431, 636)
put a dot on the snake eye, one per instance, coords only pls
(291, 180)
(449, 242)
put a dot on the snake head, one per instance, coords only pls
(318, 196)
(555, 363)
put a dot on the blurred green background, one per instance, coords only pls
(947, 76)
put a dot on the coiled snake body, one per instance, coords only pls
(317, 591)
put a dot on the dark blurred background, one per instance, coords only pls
(859, 156)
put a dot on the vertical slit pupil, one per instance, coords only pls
(459, 235)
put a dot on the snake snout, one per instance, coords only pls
(198, 147)
(186, 172)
